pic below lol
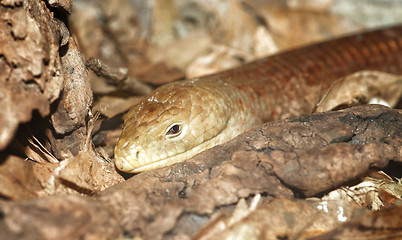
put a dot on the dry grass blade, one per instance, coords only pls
(36, 151)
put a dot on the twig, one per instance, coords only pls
(118, 77)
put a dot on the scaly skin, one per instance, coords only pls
(214, 109)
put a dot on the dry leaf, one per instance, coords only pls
(360, 87)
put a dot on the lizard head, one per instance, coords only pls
(176, 122)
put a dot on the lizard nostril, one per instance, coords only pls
(137, 154)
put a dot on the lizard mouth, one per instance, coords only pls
(132, 163)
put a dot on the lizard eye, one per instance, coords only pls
(174, 130)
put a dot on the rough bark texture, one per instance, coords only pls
(69, 118)
(385, 224)
(294, 157)
(38, 60)
(41, 70)
(30, 76)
